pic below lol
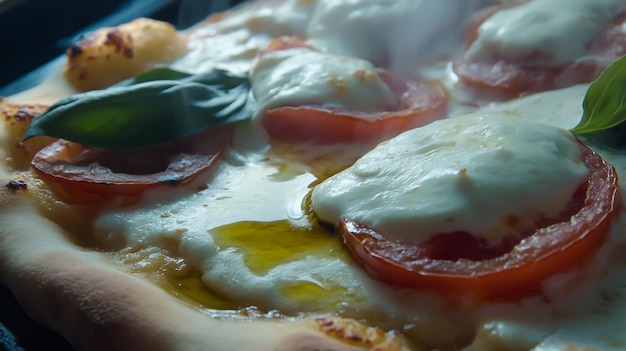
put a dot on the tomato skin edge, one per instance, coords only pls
(422, 104)
(502, 80)
(515, 277)
(85, 188)
(418, 104)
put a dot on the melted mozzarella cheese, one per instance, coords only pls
(233, 40)
(474, 173)
(556, 104)
(240, 232)
(302, 76)
(543, 32)
(397, 32)
(249, 237)
(238, 194)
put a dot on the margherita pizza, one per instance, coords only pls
(327, 175)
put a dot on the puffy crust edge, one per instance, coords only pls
(16, 118)
(110, 55)
(96, 307)
(82, 295)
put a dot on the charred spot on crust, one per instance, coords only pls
(74, 51)
(22, 113)
(341, 332)
(356, 334)
(26, 114)
(16, 185)
(78, 47)
(117, 39)
(128, 52)
(84, 72)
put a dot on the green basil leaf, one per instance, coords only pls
(604, 105)
(148, 110)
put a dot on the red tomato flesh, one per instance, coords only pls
(418, 104)
(80, 174)
(460, 264)
(509, 79)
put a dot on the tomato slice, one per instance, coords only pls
(81, 174)
(459, 264)
(503, 79)
(418, 104)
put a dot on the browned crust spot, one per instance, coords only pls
(362, 336)
(122, 42)
(11, 194)
(16, 185)
(16, 119)
(115, 37)
(22, 113)
(74, 51)
(108, 55)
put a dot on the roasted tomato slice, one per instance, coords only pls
(503, 79)
(418, 104)
(459, 264)
(80, 174)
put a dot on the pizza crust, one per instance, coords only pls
(17, 117)
(80, 294)
(110, 55)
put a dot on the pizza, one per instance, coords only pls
(327, 175)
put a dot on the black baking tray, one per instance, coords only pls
(35, 34)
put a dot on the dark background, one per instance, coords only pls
(35, 32)
(33, 37)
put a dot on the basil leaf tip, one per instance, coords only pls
(154, 107)
(604, 105)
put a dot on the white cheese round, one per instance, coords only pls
(489, 175)
(301, 76)
(398, 33)
(234, 38)
(543, 32)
